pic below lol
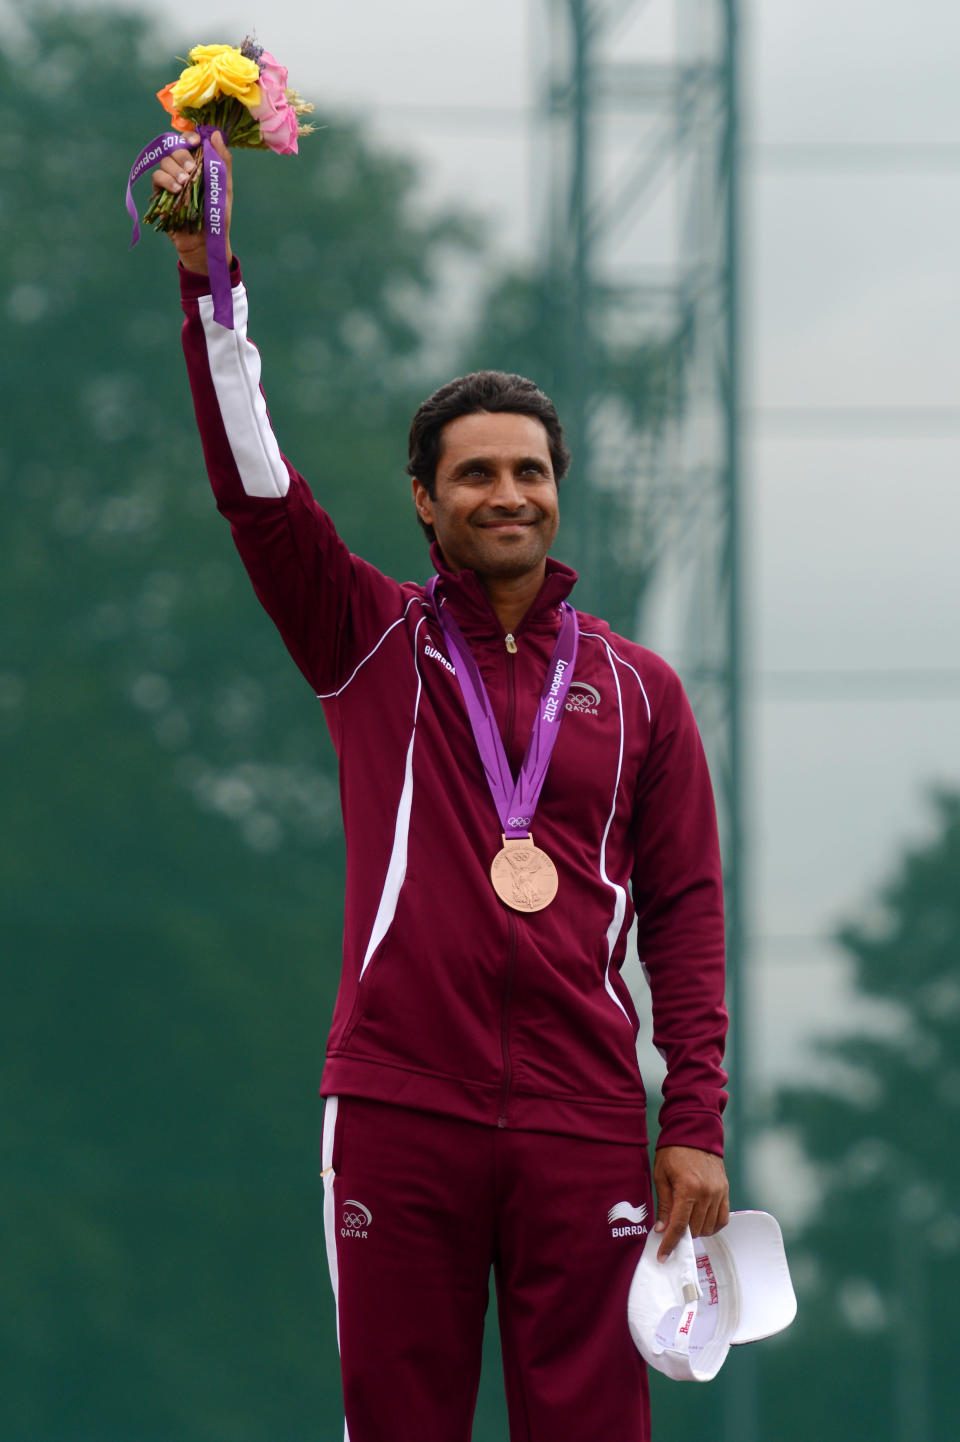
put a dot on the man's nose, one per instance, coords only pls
(505, 492)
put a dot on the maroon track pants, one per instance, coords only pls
(417, 1208)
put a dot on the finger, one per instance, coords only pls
(714, 1214)
(703, 1219)
(664, 1202)
(699, 1213)
(223, 150)
(174, 171)
(677, 1224)
(718, 1216)
(220, 145)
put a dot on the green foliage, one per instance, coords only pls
(879, 1125)
(170, 858)
(871, 1352)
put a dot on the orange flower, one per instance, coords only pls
(176, 119)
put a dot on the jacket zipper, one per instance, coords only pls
(511, 689)
(511, 646)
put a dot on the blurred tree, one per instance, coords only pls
(870, 1354)
(875, 1328)
(170, 859)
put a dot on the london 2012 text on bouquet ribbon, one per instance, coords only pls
(241, 91)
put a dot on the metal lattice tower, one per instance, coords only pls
(640, 223)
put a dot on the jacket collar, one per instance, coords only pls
(472, 608)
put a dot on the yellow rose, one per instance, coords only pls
(217, 70)
(200, 53)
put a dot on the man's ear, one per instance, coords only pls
(423, 502)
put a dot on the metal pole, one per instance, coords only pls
(579, 362)
(734, 638)
(741, 1409)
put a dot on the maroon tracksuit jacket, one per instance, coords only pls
(449, 1002)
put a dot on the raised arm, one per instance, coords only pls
(327, 604)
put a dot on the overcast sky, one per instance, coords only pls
(852, 313)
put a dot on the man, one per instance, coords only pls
(516, 780)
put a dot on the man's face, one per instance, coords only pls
(495, 509)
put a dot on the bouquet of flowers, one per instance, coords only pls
(242, 92)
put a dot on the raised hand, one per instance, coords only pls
(177, 170)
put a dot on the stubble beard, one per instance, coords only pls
(508, 560)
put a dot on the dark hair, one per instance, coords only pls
(467, 395)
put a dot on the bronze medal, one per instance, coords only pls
(523, 876)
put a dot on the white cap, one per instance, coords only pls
(735, 1286)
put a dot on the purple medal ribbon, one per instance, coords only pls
(214, 210)
(516, 801)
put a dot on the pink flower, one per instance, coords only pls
(278, 119)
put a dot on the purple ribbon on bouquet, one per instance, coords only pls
(214, 209)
